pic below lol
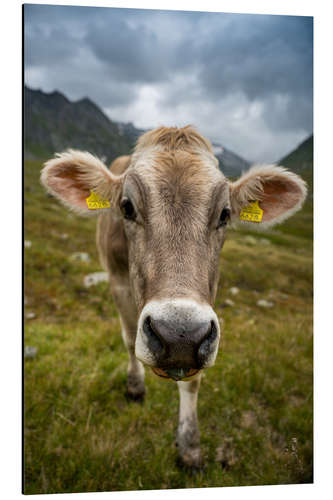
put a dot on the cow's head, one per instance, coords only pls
(176, 205)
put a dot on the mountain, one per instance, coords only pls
(230, 163)
(300, 161)
(54, 123)
(130, 131)
(301, 158)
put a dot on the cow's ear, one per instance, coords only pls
(266, 195)
(81, 181)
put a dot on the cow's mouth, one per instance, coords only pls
(175, 373)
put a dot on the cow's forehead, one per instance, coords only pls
(194, 172)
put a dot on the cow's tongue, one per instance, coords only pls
(176, 373)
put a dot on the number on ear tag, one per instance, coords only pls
(94, 202)
(252, 212)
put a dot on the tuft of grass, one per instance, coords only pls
(255, 404)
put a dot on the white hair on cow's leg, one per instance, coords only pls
(127, 315)
(135, 367)
(188, 436)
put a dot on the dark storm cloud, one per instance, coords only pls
(57, 51)
(185, 63)
(263, 56)
(259, 55)
(48, 47)
(128, 51)
(142, 46)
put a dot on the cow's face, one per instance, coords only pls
(176, 206)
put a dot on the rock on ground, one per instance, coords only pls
(95, 278)
(30, 315)
(62, 236)
(80, 257)
(264, 303)
(30, 351)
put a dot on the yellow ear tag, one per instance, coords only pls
(252, 212)
(94, 202)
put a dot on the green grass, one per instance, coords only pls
(255, 404)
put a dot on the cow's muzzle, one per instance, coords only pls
(177, 337)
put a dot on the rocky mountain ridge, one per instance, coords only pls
(54, 123)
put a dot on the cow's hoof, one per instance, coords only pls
(191, 461)
(190, 467)
(135, 388)
(137, 397)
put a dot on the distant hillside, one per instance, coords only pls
(54, 123)
(301, 160)
(230, 163)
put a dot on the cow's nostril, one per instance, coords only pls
(206, 344)
(155, 343)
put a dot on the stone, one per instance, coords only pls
(27, 244)
(229, 303)
(80, 257)
(264, 303)
(30, 352)
(30, 315)
(95, 278)
(62, 236)
(234, 290)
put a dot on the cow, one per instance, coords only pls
(163, 214)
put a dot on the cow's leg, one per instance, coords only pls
(128, 319)
(188, 437)
(135, 370)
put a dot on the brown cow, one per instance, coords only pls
(160, 239)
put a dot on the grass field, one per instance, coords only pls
(255, 404)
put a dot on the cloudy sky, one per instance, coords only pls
(245, 81)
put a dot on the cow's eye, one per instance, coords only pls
(224, 217)
(127, 209)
